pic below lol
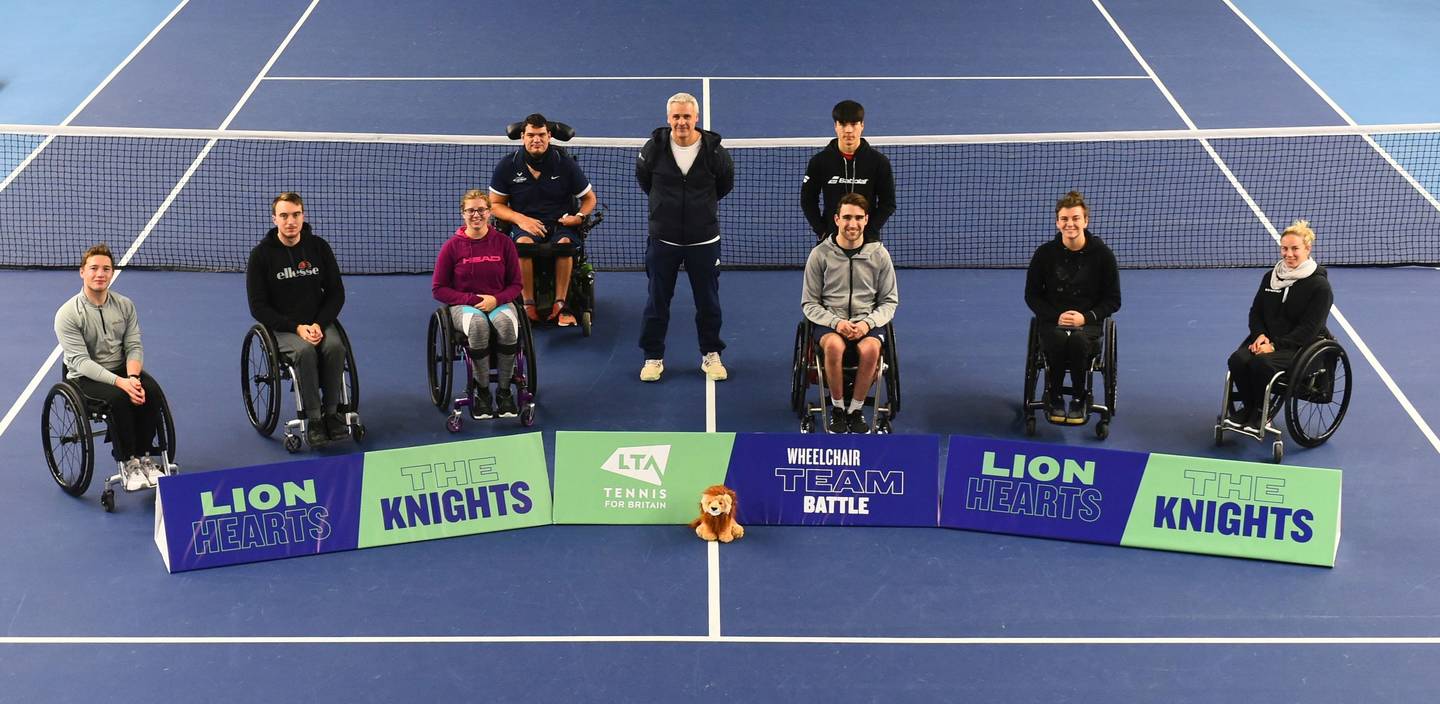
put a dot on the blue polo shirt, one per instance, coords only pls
(544, 198)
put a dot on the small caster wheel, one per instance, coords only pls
(527, 415)
(357, 431)
(882, 427)
(1219, 436)
(107, 500)
(1102, 429)
(585, 323)
(1030, 425)
(292, 444)
(807, 424)
(452, 423)
(1278, 450)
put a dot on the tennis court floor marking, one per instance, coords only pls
(705, 78)
(780, 640)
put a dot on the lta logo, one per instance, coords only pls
(646, 463)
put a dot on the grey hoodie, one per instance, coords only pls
(855, 288)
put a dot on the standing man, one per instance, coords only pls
(536, 189)
(847, 165)
(294, 288)
(99, 332)
(685, 172)
(850, 294)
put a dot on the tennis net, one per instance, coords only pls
(199, 200)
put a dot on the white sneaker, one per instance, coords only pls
(713, 368)
(153, 470)
(652, 369)
(133, 474)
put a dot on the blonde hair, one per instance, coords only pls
(475, 194)
(684, 98)
(1301, 229)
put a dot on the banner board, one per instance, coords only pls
(636, 478)
(1146, 500)
(328, 504)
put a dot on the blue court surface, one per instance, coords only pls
(651, 614)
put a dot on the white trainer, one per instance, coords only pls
(652, 370)
(712, 366)
(153, 470)
(133, 475)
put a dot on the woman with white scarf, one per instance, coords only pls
(1288, 313)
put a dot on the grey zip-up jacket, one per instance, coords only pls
(855, 288)
(96, 339)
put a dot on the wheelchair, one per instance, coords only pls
(581, 300)
(69, 423)
(445, 345)
(262, 369)
(1314, 392)
(1104, 362)
(808, 368)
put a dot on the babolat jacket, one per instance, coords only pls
(854, 288)
(684, 208)
(831, 175)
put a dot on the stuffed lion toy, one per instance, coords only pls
(717, 515)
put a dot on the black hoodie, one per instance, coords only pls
(1059, 280)
(684, 208)
(832, 175)
(293, 286)
(1292, 317)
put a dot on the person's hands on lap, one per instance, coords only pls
(132, 388)
(486, 303)
(1072, 319)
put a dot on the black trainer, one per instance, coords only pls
(1055, 409)
(315, 433)
(335, 426)
(839, 421)
(1076, 414)
(858, 424)
(1239, 417)
(505, 404)
(480, 403)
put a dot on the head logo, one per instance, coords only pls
(646, 463)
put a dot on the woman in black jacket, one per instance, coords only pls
(1288, 313)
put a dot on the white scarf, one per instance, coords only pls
(1283, 276)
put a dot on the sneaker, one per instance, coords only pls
(133, 474)
(1055, 409)
(713, 368)
(1238, 417)
(1252, 421)
(652, 370)
(839, 421)
(335, 426)
(153, 470)
(315, 434)
(505, 404)
(1077, 413)
(480, 408)
(858, 424)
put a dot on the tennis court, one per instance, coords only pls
(607, 613)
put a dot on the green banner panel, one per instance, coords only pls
(636, 477)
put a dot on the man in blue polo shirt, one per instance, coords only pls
(534, 189)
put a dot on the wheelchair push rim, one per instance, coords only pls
(260, 379)
(1318, 394)
(440, 359)
(66, 434)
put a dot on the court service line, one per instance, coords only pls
(1270, 226)
(159, 213)
(699, 78)
(1384, 153)
(777, 640)
(86, 102)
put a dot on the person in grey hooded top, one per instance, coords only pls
(850, 294)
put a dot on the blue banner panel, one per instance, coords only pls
(1048, 491)
(836, 480)
(265, 512)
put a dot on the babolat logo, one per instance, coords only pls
(519, 177)
(259, 516)
(646, 463)
(849, 181)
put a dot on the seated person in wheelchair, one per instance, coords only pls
(293, 284)
(478, 276)
(850, 294)
(99, 333)
(1072, 285)
(535, 190)
(1288, 313)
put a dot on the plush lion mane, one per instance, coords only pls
(722, 527)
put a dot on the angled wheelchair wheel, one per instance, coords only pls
(1032, 371)
(798, 361)
(352, 374)
(1318, 393)
(166, 431)
(892, 359)
(1112, 361)
(65, 433)
(530, 369)
(440, 359)
(260, 379)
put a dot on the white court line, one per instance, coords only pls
(159, 212)
(778, 640)
(83, 103)
(713, 560)
(704, 103)
(698, 78)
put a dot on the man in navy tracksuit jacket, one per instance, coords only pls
(685, 172)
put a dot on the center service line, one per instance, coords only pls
(712, 559)
(778, 640)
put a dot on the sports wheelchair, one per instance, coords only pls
(262, 368)
(445, 345)
(1104, 362)
(808, 367)
(581, 298)
(69, 422)
(1314, 391)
